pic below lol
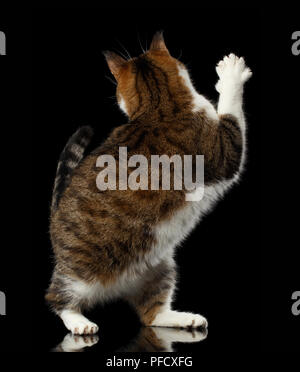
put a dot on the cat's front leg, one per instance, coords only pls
(233, 73)
(154, 300)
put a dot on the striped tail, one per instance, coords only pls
(68, 161)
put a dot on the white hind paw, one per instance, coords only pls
(78, 324)
(84, 328)
(178, 319)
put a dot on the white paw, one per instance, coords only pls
(73, 343)
(83, 328)
(78, 324)
(232, 69)
(179, 320)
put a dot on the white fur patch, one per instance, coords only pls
(200, 102)
(171, 318)
(77, 323)
(122, 105)
(172, 232)
(97, 292)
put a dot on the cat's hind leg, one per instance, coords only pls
(67, 297)
(154, 300)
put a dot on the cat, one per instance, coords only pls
(120, 243)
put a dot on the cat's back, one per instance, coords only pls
(83, 200)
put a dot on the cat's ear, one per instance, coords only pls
(115, 62)
(158, 42)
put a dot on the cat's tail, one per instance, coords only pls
(68, 161)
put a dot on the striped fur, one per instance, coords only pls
(68, 161)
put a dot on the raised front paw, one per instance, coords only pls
(232, 70)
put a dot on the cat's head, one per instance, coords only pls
(152, 83)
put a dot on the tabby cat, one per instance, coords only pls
(120, 243)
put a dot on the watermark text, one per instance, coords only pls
(160, 173)
(296, 304)
(2, 303)
(2, 44)
(296, 44)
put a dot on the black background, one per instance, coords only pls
(231, 270)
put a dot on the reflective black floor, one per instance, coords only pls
(149, 339)
(120, 330)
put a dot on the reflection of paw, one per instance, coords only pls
(179, 335)
(232, 69)
(179, 320)
(73, 343)
(168, 336)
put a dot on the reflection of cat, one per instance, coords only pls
(149, 339)
(117, 243)
(159, 339)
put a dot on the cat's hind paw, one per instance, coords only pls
(178, 319)
(84, 328)
(78, 324)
